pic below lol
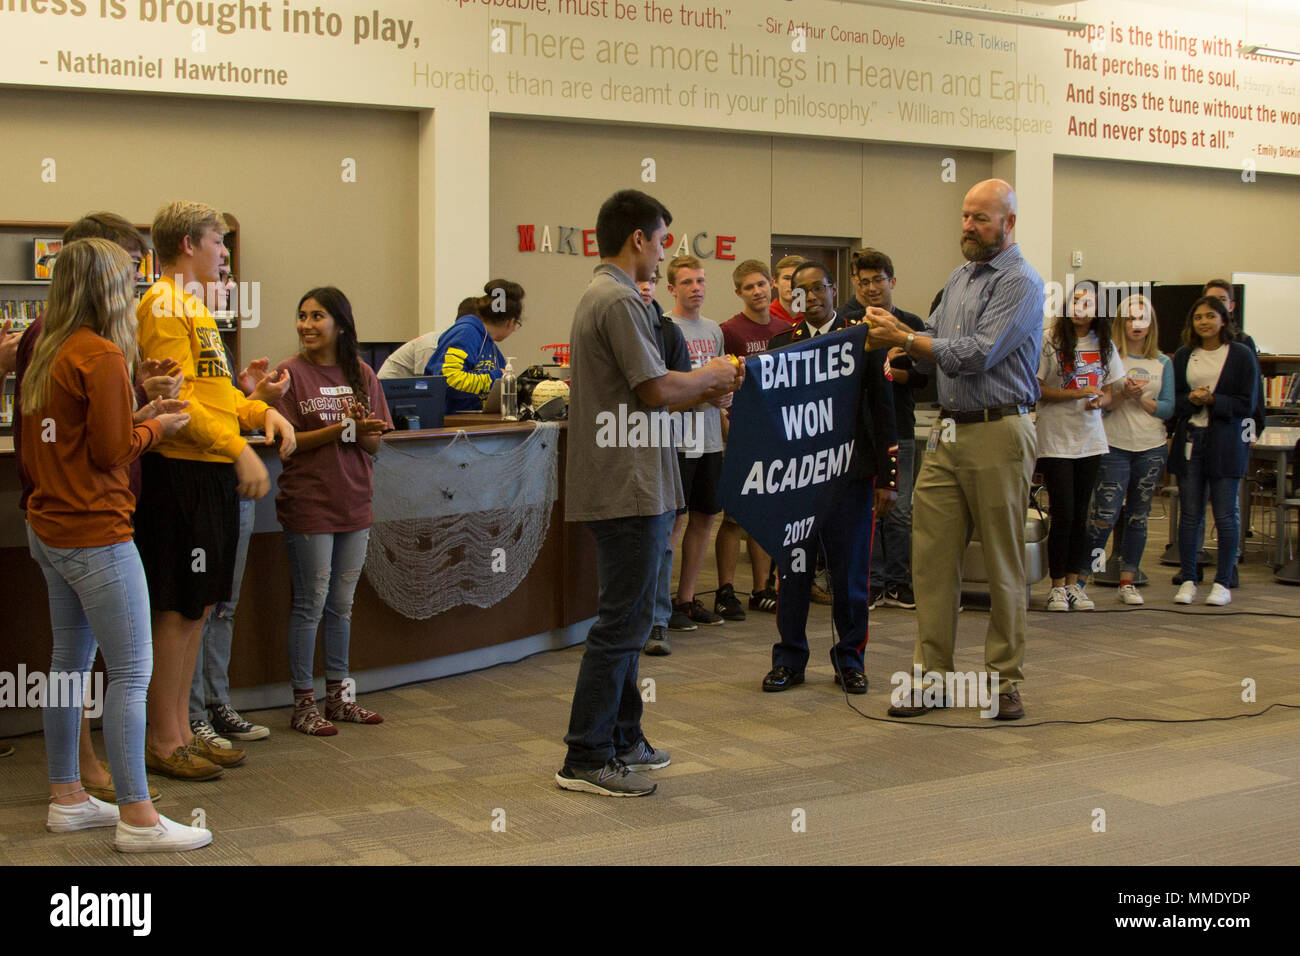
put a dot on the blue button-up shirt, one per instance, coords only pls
(988, 334)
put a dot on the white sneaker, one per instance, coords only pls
(1186, 593)
(1219, 595)
(1079, 601)
(1058, 600)
(1129, 594)
(167, 836)
(82, 816)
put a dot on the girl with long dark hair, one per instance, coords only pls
(1077, 369)
(338, 410)
(1215, 383)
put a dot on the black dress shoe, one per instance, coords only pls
(781, 678)
(913, 706)
(853, 682)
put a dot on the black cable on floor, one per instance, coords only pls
(991, 724)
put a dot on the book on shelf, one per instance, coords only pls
(21, 312)
(1282, 390)
(44, 252)
(149, 268)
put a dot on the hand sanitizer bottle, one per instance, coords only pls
(509, 393)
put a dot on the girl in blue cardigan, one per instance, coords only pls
(1215, 381)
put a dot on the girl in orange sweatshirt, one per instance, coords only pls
(79, 437)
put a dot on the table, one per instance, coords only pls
(1278, 444)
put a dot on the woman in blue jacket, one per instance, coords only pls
(1215, 380)
(467, 354)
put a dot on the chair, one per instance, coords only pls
(1289, 573)
(974, 571)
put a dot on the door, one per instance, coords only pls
(830, 252)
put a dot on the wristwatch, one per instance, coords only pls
(907, 346)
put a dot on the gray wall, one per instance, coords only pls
(274, 166)
(747, 186)
(1171, 223)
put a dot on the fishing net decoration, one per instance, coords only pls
(462, 526)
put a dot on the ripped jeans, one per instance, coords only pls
(324, 569)
(1129, 479)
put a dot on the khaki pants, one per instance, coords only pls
(977, 483)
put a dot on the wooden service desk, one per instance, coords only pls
(549, 609)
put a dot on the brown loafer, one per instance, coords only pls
(109, 794)
(181, 765)
(1010, 706)
(220, 756)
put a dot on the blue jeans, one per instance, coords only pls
(1129, 479)
(99, 595)
(1194, 486)
(891, 546)
(606, 714)
(664, 593)
(324, 569)
(211, 684)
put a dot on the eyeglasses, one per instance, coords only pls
(878, 280)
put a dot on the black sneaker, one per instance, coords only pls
(876, 598)
(900, 596)
(764, 600)
(726, 605)
(698, 613)
(611, 780)
(227, 722)
(657, 645)
(679, 621)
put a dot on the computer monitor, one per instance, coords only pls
(416, 403)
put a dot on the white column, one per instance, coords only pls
(1030, 172)
(453, 209)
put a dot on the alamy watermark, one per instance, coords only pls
(949, 689)
(1109, 295)
(75, 909)
(242, 300)
(657, 429)
(55, 689)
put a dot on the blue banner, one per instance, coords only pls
(791, 440)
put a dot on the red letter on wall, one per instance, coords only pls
(588, 235)
(526, 243)
(724, 247)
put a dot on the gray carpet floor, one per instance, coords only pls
(462, 771)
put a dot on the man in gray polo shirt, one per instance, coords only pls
(622, 481)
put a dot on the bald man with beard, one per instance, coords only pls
(983, 341)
